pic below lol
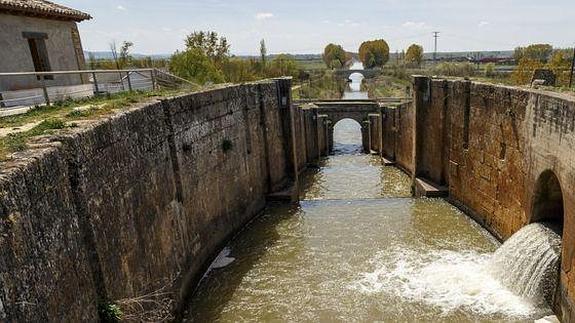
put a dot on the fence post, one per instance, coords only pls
(129, 81)
(45, 90)
(96, 87)
(153, 76)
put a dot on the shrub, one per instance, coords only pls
(110, 313)
(453, 69)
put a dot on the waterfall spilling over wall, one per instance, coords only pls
(139, 202)
(502, 154)
(528, 263)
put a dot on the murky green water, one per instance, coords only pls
(357, 248)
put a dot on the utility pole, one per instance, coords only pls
(435, 35)
(572, 69)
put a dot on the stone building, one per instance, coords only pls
(38, 35)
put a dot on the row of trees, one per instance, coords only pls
(207, 59)
(122, 58)
(373, 54)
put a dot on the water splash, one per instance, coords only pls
(448, 280)
(528, 263)
(518, 280)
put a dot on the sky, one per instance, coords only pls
(306, 26)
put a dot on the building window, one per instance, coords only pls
(37, 44)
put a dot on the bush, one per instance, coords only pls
(490, 70)
(110, 313)
(453, 69)
(195, 66)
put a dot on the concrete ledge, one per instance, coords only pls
(425, 188)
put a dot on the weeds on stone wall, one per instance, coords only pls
(110, 313)
(156, 306)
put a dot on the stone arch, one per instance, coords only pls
(360, 118)
(357, 117)
(357, 74)
(548, 204)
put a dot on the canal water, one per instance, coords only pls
(358, 248)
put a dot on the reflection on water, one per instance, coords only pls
(357, 248)
(353, 91)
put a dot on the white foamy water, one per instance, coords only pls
(448, 280)
(528, 263)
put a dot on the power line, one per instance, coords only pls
(435, 35)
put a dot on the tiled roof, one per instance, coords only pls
(42, 8)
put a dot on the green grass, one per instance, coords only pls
(311, 64)
(386, 86)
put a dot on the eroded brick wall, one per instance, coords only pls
(125, 206)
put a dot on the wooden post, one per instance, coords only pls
(129, 82)
(96, 87)
(45, 90)
(153, 76)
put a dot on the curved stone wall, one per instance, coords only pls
(489, 145)
(139, 202)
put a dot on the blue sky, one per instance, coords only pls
(306, 26)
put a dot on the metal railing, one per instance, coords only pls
(25, 89)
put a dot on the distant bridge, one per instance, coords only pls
(367, 73)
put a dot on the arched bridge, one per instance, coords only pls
(367, 73)
(328, 113)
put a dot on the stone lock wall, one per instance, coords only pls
(138, 202)
(490, 145)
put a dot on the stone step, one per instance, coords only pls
(425, 188)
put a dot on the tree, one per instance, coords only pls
(334, 56)
(539, 52)
(374, 53)
(125, 56)
(114, 50)
(524, 72)
(210, 44)
(238, 70)
(195, 65)
(560, 64)
(414, 55)
(283, 65)
(263, 53)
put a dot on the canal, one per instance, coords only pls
(358, 247)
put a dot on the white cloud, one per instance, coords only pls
(264, 15)
(120, 7)
(166, 29)
(415, 25)
(483, 24)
